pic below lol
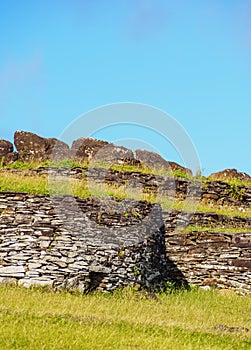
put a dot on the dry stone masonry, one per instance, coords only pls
(212, 259)
(67, 242)
(103, 244)
(215, 192)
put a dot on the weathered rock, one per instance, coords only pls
(84, 149)
(58, 150)
(13, 271)
(32, 147)
(176, 167)
(5, 148)
(112, 154)
(10, 158)
(155, 161)
(230, 174)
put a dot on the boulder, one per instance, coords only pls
(112, 154)
(98, 151)
(177, 167)
(10, 158)
(30, 147)
(34, 148)
(230, 174)
(153, 160)
(5, 148)
(84, 149)
(58, 150)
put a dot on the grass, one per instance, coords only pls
(117, 167)
(233, 182)
(33, 165)
(39, 319)
(36, 319)
(197, 228)
(21, 183)
(168, 204)
(41, 184)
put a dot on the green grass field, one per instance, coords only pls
(37, 319)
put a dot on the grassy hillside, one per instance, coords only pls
(196, 319)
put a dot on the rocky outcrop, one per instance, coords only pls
(112, 154)
(30, 147)
(85, 149)
(5, 148)
(93, 151)
(153, 160)
(10, 158)
(34, 148)
(178, 168)
(7, 156)
(230, 174)
(58, 150)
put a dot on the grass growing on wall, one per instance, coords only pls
(227, 229)
(41, 184)
(21, 183)
(35, 319)
(117, 167)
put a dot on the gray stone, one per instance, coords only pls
(12, 271)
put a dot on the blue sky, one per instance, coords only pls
(191, 59)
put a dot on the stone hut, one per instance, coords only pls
(86, 244)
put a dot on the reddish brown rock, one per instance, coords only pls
(112, 154)
(10, 158)
(84, 149)
(32, 147)
(5, 148)
(154, 161)
(98, 151)
(58, 150)
(230, 174)
(176, 167)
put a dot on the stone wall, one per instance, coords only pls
(175, 219)
(210, 258)
(81, 243)
(213, 192)
(104, 244)
(222, 260)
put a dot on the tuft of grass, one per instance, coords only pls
(228, 229)
(117, 167)
(128, 319)
(22, 165)
(67, 163)
(233, 182)
(22, 183)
